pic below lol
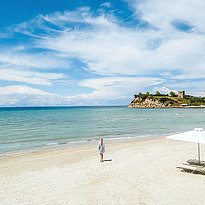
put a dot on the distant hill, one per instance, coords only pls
(172, 100)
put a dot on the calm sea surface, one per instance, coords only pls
(31, 128)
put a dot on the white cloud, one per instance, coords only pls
(38, 61)
(106, 4)
(163, 90)
(162, 13)
(109, 89)
(115, 90)
(108, 48)
(23, 90)
(30, 77)
(25, 96)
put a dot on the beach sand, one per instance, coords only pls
(141, 172)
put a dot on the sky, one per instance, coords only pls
(85, 52)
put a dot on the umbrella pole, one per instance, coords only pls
(199, 152)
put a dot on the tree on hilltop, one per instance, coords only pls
(158, 93)
(173, 94)
(147, 94)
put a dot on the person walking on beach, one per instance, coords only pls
(101, 148)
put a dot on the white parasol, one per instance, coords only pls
(196, 135)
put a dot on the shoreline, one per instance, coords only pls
(56, 146)
(76, 144)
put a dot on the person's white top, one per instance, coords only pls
(101, 148)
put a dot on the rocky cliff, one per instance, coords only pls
(147, 103)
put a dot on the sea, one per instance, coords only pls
(30, 128)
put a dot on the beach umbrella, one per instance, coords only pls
(197, 135)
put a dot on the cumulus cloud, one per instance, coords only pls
(163, 90)
(25, 96)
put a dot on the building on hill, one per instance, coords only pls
(181, 94)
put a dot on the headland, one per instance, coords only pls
(172, 100)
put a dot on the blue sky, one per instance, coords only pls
(60, 52)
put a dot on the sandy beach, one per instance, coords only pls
(141, 172)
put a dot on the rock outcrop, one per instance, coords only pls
(147, 103)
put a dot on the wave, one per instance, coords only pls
(107, 138)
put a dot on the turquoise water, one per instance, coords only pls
(30, 128)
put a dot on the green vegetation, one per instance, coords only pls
(173, 94)
(197, 100)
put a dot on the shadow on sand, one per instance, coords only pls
(107, 160)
